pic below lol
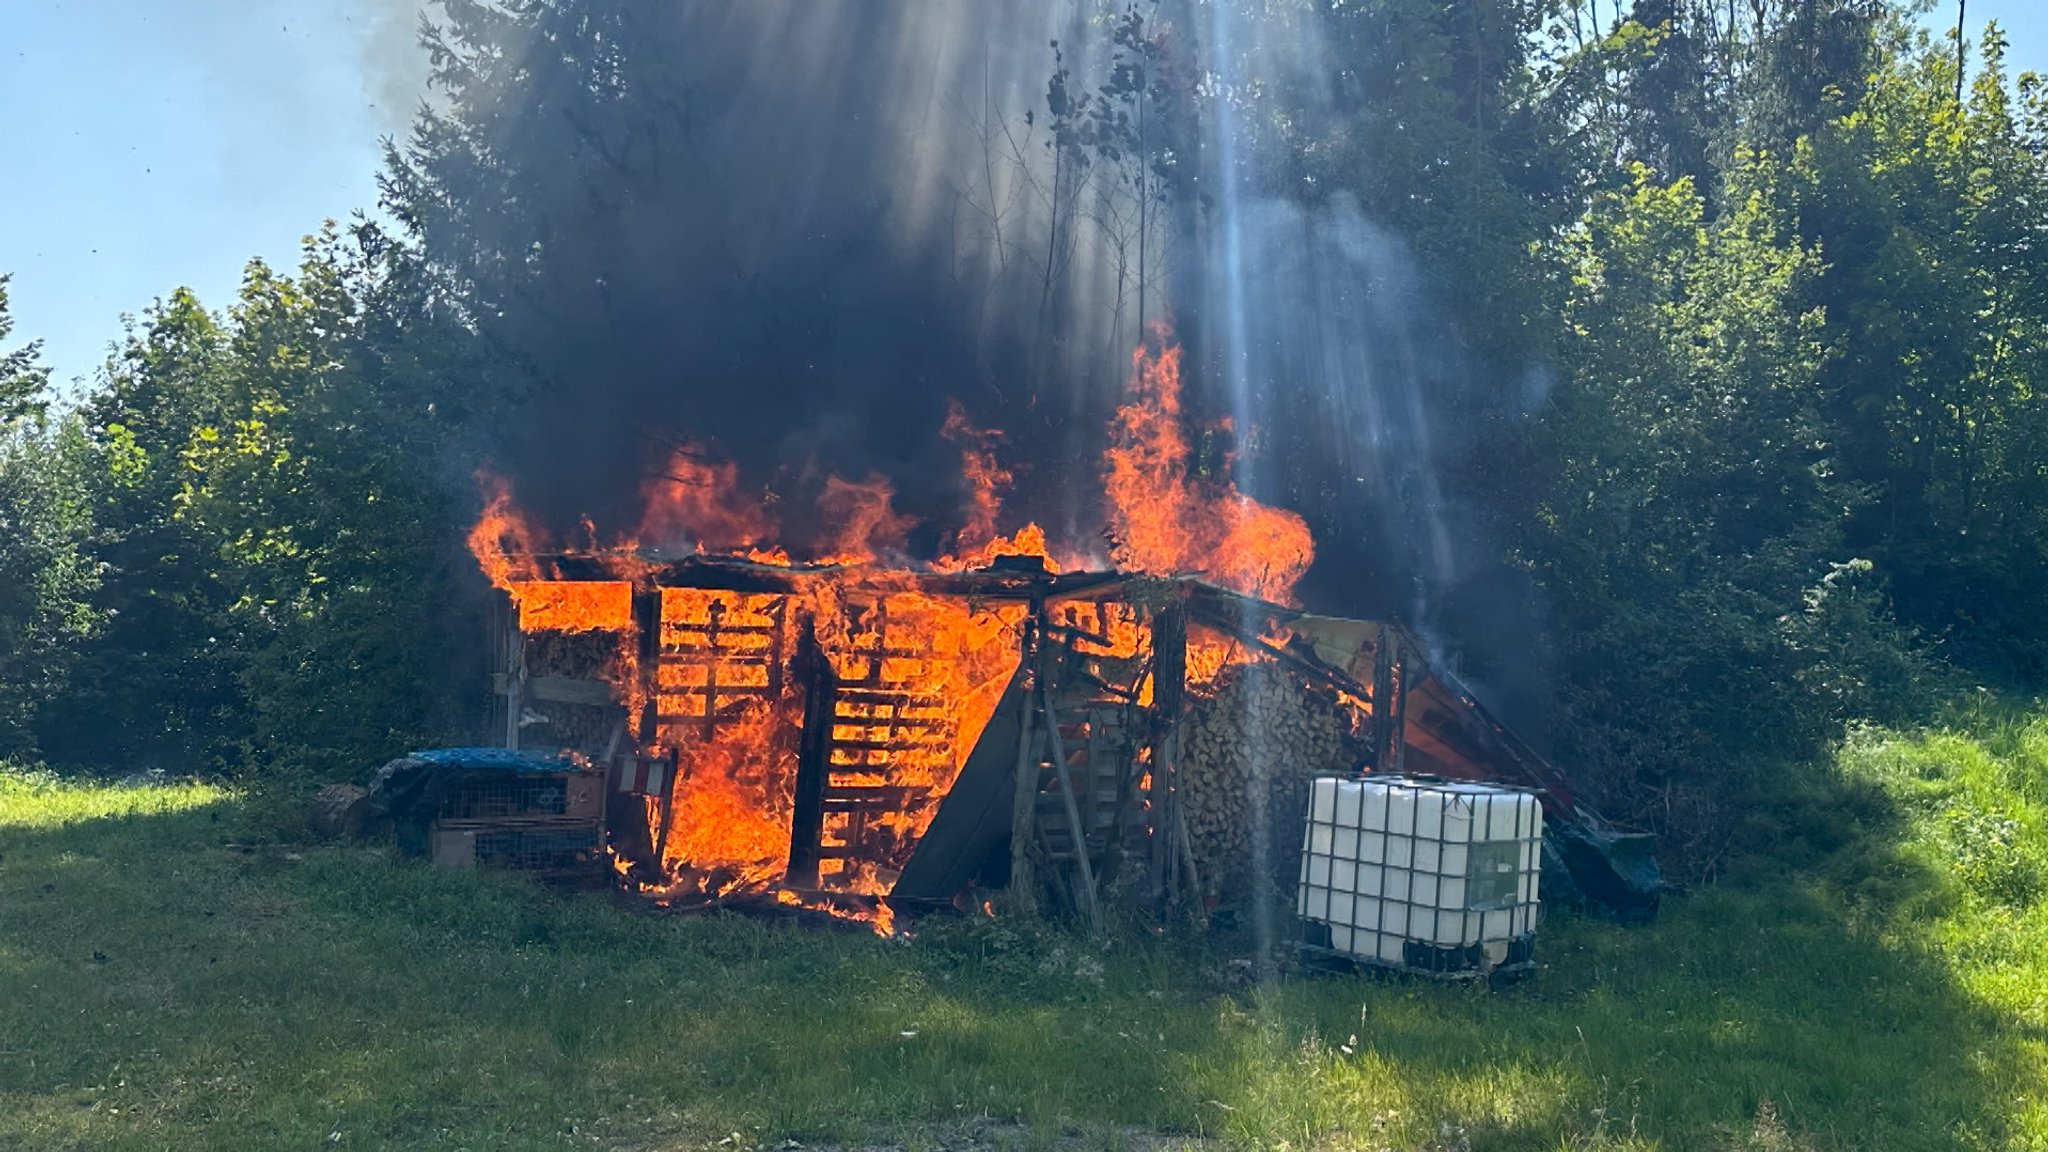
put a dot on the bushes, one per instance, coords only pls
(1689, 528)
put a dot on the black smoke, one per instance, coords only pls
(788, 232)
(748, 227)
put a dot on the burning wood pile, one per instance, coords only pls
(855, 726)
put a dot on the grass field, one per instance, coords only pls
(177, 972)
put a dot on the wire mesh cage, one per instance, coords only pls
(536, 846)
(523, 796)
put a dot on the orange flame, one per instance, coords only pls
(503, 541)
(575, 606)
(918, 676)
(978, 544)
(986, 479)
(1026, 541)
(880, 919)
(868, 525)
(1166, 521)
(695, 504)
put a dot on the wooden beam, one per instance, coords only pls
(515, 678)
(1023, 893)
(1382, 701)
(668, 812)
(1186, 851)
(813, 761)
(1169, 693)
(556, 689)
(647, 623)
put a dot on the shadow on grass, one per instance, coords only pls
(181, 987)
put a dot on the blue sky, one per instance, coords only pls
(157, 143)
(154, 143)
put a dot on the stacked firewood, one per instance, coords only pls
(572, 655)
(1246, 757)
(590, 656)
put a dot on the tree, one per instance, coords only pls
(45, 575)
(322, 496)
(23, 381)
(652, 247)
(156, 689)
(1690, 499)
(1137, 130)
(1932, 216)
(279, 525)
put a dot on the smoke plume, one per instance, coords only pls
(788, 235)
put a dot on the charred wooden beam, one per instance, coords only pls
(647, 624)
(710, 713)
(1382, 698)
(668, 811)
(1014, 584)
(1023, 885)
(1397, 711)
(1086, 881)
(1314, 669)
(515, 677)
(813, 760)
(555, 689)
(935, 744)
(1169, 700)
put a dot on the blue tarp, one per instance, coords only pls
(494, 759)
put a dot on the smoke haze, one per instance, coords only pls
(787, 234)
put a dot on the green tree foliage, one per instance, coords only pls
(157, 690)
(45, 575)
(22, 379)
(1930, 215)
(546, 172)
(1692, 497)
(273, 519)
(1436, 119)
(322, 498)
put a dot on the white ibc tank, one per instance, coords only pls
(1426, 874)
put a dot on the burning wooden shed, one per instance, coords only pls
(1066, 724)
(810, 732)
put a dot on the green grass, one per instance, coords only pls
(172, 975)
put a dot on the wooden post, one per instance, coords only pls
(814, 750)
(618, 736)
(515, 676)
(1383, 723)
(1197, 911)
(717, 615)
(1023, 891)
(1397, 738)
(1169, 693)
(668, 812)
(647, 620)
(1080, 831)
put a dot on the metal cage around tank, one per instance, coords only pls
(1424, 875)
